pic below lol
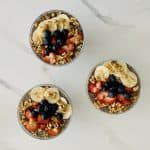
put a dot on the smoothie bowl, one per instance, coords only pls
(56, 37)
(113, 86)
(44, 111)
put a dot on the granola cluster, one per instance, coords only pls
(44, 112)
(56, 37)
(113, 87)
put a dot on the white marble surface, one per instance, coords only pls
(113, 29)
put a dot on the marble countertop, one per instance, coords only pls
(118, 29)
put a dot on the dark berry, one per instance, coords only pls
(112, 94)
(45, 41)
(120, 88)
(44, 116)
(53, 48)
(57, 34)
(65, 33)
(41, 109)
(59, 42)
(112, 78)
(34, 113)
(127, 95)
(105, 86)
(44, 102)
(47, 34)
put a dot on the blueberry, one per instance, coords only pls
(45, 41)
(59, 42)
(44, 102)
(41, 109)
(47, 34)
(127, 95)
(52, 109)
(57, 34)
(105, 86)
(120, 88)
(53, 48)
(34, 113)
(112, 78)
(65, 33)
(112, 94)
(44, 116)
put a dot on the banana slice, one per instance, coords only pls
(52, 95)
(60, 25)
(37, 94)
(116, 67)
(129, 80)
(68, 112)
(101, 73)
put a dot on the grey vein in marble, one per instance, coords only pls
(10, 87)
(106, 19)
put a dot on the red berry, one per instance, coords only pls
(99, 85)
(42, 121)
(101, 95)
(53, 40)
(28, 114)
(32, 126)
(92, 88)
(109, 100)
(46, 59)
(53, 132)
(61, 51)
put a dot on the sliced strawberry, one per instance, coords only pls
(61, 51)
(53, 40)
(120, 97)
(101, 96)
(71, 47)
(42, 126)
(109, 100)
(46, 59)
(41, 121)
(126, 102)
(129, 90)
(93, 88)
(53, 132)
(32, 126)
(28, 114)
(99, 85)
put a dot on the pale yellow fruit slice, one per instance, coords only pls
(68, 112)
(129, 80)
(37, 94)
(52, 95)
(101, 73)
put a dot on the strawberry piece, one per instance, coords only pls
(109, 100)
(126, 102)
(61, 51)
(52, 58)
(129, 90)
(99, 85)
(46, 59)
(42, 121)
(32, 126)
(123, 100)
(71, 47)
(101, 95)
(120, 97)
(53, 132)
(92, 88)
(28, 114)
(53, 40)
(42, 126)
